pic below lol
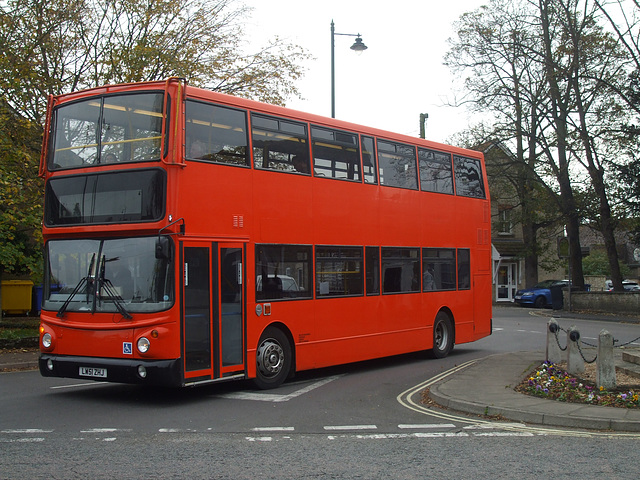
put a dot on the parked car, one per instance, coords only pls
(540, 295)
(628, 285)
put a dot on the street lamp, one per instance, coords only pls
(423, 120)
(358, 47)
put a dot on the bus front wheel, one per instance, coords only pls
(442, 336)
(273, 359)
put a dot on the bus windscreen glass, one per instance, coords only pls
(107, 276)
(110, 129)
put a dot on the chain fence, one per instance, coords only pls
(555, 329)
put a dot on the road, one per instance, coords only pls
(356, 421)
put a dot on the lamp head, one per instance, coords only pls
(358, 45)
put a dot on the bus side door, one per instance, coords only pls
(213, 310)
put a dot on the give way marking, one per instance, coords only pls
(271, 397)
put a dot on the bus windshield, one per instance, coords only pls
(110, 129)
(119, 275)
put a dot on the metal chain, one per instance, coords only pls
(582, 354)
(594, 346)
(558, 342)
(625, 344)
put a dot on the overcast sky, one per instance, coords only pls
(397, 78)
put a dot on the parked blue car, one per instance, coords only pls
(540, 295)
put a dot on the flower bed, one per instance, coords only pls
(552, 382)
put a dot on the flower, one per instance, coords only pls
(549, 381)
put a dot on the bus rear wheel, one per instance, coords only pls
(442, 336)
(273, 359)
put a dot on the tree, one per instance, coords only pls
(624, 18)
(494, 48)
(550, 76)
(20, 196)
(54, 46)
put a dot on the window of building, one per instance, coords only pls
(435, 171)
(400, 270)
(280, 144)
(339, 271)
(216, 134)
(505, 226)
(468, 174)
(335, 154)
(438, 269)
(283, 272)
(397, 165)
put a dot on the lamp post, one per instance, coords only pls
(358, 46)
(423, 120)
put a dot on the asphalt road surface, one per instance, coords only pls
(361, 420)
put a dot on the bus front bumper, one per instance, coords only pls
(137, 371)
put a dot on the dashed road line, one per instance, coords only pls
(349, 427)
(273, 429)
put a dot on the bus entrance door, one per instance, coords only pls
(231, 309)
(213, 310)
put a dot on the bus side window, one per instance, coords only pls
(283, 272)
(438, 269)
(435, 171)
(336, 154)
(279, 144)
(369, 161)
(216, 134)
(397, 165)
(468, 175)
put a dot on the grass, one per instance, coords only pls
(17, 328)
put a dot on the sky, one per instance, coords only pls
(388, 86)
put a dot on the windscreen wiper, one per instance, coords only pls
(112, 294)
(83, 281)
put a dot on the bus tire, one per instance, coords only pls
(443, 336)
(273, 359)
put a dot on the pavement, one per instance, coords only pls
(486, 387)
(483, 387)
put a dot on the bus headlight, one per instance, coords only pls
(143, 344)
(47, 340)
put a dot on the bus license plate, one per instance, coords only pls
(93, 372)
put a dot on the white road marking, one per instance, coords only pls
(427, 425)
(23, 440)
(406, 399)
(350, 427)
(273, 429)
(26, 430)
(75, 385)
(271, 397)
(105, 430)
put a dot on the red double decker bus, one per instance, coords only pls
(193, 237)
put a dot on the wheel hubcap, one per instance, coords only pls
(441, 336)
(270, 358)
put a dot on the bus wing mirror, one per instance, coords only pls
(163, 248)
